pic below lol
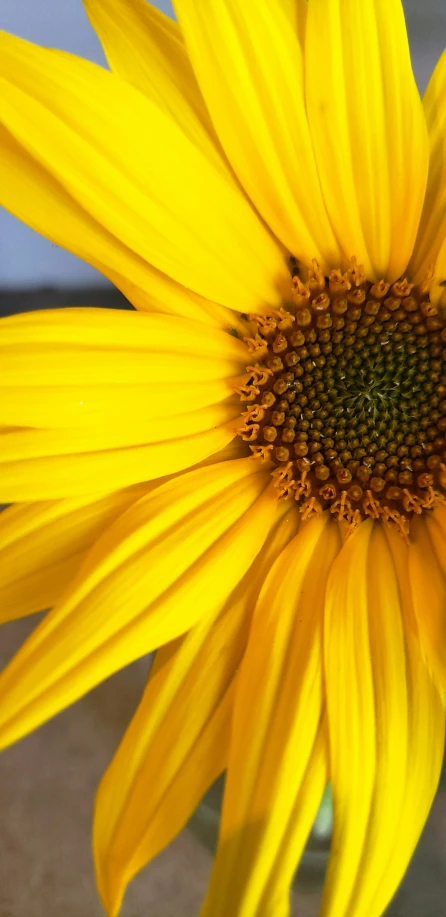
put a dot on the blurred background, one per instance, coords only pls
(47, 782)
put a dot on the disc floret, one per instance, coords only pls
(346, 396)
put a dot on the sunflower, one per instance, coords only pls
(247, 472)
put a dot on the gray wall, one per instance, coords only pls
(28, 260)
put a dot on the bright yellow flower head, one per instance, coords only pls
(249, 471)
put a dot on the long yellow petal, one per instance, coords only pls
(173, 557)
(33, 195)
(103, 366)
(368, 129)
(234, 450)
(432, 231)
(161, 294)
(111, 404)
(427, 577)
(97, 367)
(377, 723)
(425, 714)
(114, 398)
(44, 468)
(133, 170)
(43, 545)
(38, 199)
(351, 715)
(145, 47)
(178, 740)
(437, 292)
(252, 81)
(117, 328)
(271, 795)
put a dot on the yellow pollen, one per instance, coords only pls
(347, 397)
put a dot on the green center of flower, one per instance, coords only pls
(348, 397)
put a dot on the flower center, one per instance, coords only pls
(348, 397)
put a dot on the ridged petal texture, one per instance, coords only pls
(252, 79)
(428, 586)
(43, 545)
(277, 765)
(117, 155)
(178, 741)
(437, 292)
(368, 129)
(110, 398)
(145, 47)
(386, 724)
(432, 230)
(173, 557)
(35, 196)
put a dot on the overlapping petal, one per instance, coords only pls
(161, 294)
(178, 740)
(107, 399)
(368, 129)
(432, 230)
(96, 367)
(132, 169)
(386, 724)
(425, 710)
(174, 556)
(36, 197)
(437, 292)
(43, 545)
(277, 765)
(428, 586)
(145, 47)
(252, 81)
(296, 10)
(51, 465)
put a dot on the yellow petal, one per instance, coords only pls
(432, 231)
(136, 174)
(296, 10)
(252, 80)
(162, 814)
(386, 726)
(43, 545)
(105, 366)
(178, 740)
(277, 764)
(425, 715)
(427, 577)
(174, 556)
(33, 195)
(234, 450)
(105, 405)
(44, 469)
(45, 205)
(145, 47)
(36, 444)
(437, 292)
(118, 397)
(165, 296)
(368, 129)
(351, 715)
(98, 367)
(116, 328)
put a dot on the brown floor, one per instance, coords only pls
(47, 784)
